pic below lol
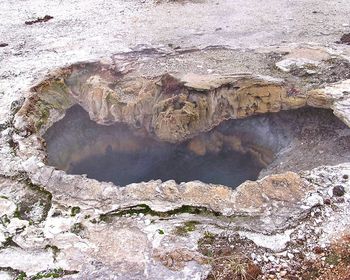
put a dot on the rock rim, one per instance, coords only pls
(110, 95)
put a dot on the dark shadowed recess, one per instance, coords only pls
(120, 155)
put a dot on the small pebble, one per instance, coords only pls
(283, 273)
(338, 190)
(327, 201)
(340, 199)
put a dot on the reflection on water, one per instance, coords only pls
(227, 168)
(117, 154)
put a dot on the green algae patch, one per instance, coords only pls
(75, 211)
(55, 96)
(187, 227)
(146, 210)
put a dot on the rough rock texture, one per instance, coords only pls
(334, 97)
(149, 229)
(173, 108)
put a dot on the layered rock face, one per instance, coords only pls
(173, 108)
(176, 108)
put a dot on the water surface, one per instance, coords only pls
(122, 156)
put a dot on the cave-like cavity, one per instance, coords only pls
(231, 153)
(121, 155)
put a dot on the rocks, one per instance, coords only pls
(275, 242)
(176, 259)
(287, 65)
(197, 102)
(303, 58)
(314, 200)
(7, 207)
(118, 234)
(345, 39)
(333, 96)
(338, 190)
(285, 188)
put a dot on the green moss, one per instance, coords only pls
(146, 210)
(17, 274)
(54, 95)
(186, 228)
(4, 220)
(191, 225)
(209, 235)
(160, 231)
(207, 240)
(21, 276)
(57, 94)
(43, 114)
(112, 99)
(55, 251)
(208, 253)
(54, 273)
(9, 242)
(311, 274)
(23, 178)
(93, 221)
(74, 211)
(17, 213)
(34, 195)
(333, 259)
(41, 195)
(77, 228)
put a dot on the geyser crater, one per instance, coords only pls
(220, 129)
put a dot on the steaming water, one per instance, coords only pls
(229, 169)
(116, 154)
